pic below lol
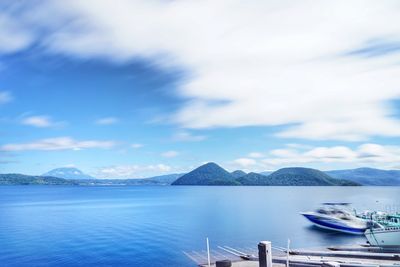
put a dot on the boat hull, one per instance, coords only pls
(389, 237)
(333, 225)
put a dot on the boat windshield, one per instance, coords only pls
(335, 211)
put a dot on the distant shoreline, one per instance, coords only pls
(211, 174)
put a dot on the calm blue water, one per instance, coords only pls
(150, 226)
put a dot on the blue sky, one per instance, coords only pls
(164, 86)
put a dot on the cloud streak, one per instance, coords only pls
(368, 154)
(137, 145)
(184, 136)
(41, 122)
(14, 35)
(132, 171)
(170, 154)
(5, 97)
(107, 121)
(58, 143)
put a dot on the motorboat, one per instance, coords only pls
(337, 217)
(383, 218)
(385, 236)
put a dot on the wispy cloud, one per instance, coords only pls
(245, 162)
(375, 48)
(255, 155)
(170, 154)
(136, 146)
(13, 34)
(132, 171)
(369, 154)
(184, 136)
(58, 143)
(107, 121)
(41, 122)
(321, 157)
(5, 97)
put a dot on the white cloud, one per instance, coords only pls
(107, 121)
(58, 143)
(331, 153)
(5, 97)
(247, 65)
(70, 165)
(14, 36)
(364, 155)
(136, 146)
(38, 121)
(256, 155)
(298, 146)
(245, 162)
(41, 122)
(170, 154)
(188, 137)
(132, 171)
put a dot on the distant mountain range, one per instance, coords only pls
(68, 173)
(212, 174)
(368, 176)
(20, 179)
(305, 177)
(77, 175)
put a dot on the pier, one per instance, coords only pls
(267, 255)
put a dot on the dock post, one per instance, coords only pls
(287, 253)
(265, 254)
(208, 253)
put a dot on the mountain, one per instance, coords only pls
(266, 173)
(305, 177)
(21, 179)
(212, 174)
(207, 174)
(68, 173)
(292, 177)
(238, 173)
(368, 176)
(253, 178)
(164, 179)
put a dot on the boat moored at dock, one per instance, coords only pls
(383, 235)
(334, 216)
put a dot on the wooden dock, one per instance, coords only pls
(248, 257)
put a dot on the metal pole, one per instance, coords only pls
(287, 253)
(208, 253)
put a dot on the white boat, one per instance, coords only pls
(383, 236)
(334, 216)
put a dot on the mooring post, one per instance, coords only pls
(265, 254)
(208, 253)
(287, 253)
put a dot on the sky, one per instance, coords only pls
(132, 88)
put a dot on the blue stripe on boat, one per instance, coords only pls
(333, 226)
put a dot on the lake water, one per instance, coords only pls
(151, 226)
